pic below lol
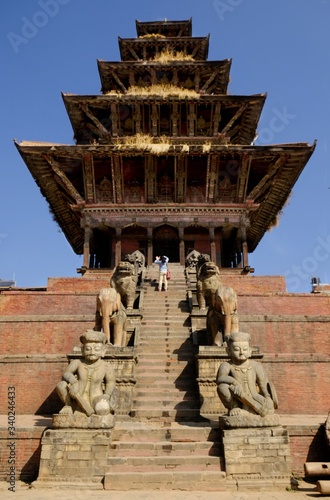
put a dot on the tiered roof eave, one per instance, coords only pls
(175, 28)
(89, 111)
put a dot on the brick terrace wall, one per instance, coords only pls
(39, 328)
(27, 453)
(307, 444)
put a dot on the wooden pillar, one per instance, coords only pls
(218, 260)
(181, 246)
(87, 236)
(150, 249)
(118, 246)
(213, 253)
(245, 253)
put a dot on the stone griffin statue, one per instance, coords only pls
(124, 281)
(88, 387)
(192, 260)
(138, 260)
(208, 280)
(243, 386)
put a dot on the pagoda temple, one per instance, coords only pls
(164, 159)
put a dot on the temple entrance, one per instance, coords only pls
(166, 242)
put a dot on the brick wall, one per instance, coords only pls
(27, 453)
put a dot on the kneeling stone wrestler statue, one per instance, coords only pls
(89, 384)
(242, 384)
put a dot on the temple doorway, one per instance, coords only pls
(166, 242)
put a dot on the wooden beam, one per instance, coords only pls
(180, 178)
(138, 118)
(63, 180)
(175, 119)
(133, 53)
(117, 79)
(210, 80)
(131, 77)
(191, 119)
(267, 179)
(197, 78)
(208, 168)
(212, 169)
(114, 119)
(88, 175)
(150, 178)
(154, 119)
(100, 127)
(243, 177)
(238, 113)
(117, 178)
(216, 119)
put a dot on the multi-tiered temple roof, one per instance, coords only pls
(164, 159)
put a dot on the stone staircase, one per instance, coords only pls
(165, 444)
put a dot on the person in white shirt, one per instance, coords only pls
(162, 263)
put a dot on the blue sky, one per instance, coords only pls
(281, 47)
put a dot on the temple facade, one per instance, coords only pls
(164, 159)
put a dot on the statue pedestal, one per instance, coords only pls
(257, 457)
(74, 456)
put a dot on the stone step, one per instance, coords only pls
(174, 462)
(138, 448)
(169, 480)
(159, 334)
(163, 362)
(179, 413)
(153, 393)
(163, 383)
(170, 432)
(165, 401)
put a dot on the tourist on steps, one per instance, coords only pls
(162, 262)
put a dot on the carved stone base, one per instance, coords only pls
(69, 455)
(259, 453)
(79, 420)
(248, 420)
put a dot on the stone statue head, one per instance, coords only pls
(238, 347)
(93, 345)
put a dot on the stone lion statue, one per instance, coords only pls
(208, 281)
(124, 280)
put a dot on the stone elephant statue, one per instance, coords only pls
(111, 316)
(222, 317)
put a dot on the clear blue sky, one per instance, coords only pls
(281, 47)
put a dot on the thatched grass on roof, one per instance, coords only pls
(162, 89)
(147, 142)
(167, 56)
(152, 35)
(206, 147)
